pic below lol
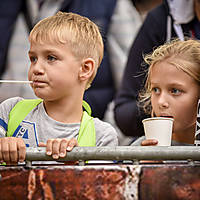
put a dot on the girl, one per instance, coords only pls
(173, 88)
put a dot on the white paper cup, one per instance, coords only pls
(159, 128)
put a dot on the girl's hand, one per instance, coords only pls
(59, 147)
(149, 142)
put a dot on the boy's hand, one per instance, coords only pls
(59, 147)
(149, 142)
(12, 150)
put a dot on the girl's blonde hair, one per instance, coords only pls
(78, 32)
(185, 55)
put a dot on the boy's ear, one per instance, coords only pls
(87, 69)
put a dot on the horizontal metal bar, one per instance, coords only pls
(120, 153)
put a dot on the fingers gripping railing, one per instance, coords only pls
(120, 153)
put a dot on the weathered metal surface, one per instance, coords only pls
(105, 182)
(122, 153)
(170, 182)
(102, 182)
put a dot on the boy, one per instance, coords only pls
(65, 52)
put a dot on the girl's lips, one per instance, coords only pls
(167, 116)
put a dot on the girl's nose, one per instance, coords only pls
(163, 101)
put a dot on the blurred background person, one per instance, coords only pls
(126, 20)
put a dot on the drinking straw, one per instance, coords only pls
(14, 81)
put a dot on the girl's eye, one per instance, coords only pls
(175, 91)
(51, 58)
(33, 59)
(155, 90)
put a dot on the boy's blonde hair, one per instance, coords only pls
(184, 55)
(79, 33)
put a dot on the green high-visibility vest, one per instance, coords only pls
(86, 136)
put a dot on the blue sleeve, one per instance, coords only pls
(9, 11)
(128, 115)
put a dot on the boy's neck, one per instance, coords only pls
(64, 111)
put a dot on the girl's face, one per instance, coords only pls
(174, 93)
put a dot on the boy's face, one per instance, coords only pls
(174, 93)
(53, 70)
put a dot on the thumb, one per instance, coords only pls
(41, 144)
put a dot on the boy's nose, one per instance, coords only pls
(38, 68)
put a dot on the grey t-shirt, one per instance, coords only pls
(39, 127)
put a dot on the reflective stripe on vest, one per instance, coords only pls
(86, 137)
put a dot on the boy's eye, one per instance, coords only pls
(51, 58)
(33, 58)
(175, 91)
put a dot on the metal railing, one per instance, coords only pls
(120, 153)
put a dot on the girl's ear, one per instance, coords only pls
(87, 69)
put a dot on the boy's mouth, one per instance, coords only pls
(39, 83)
